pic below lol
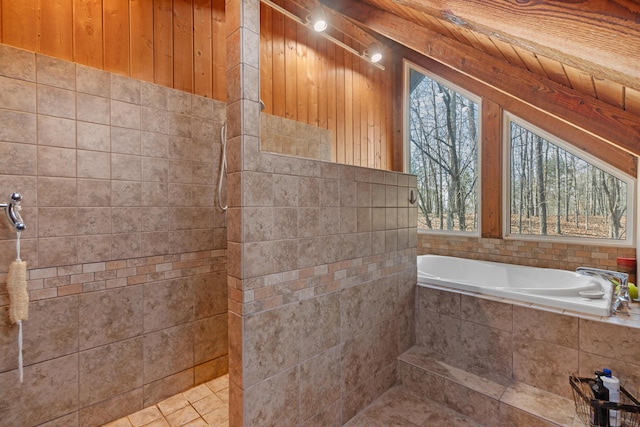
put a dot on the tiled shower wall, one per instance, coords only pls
(126, 250)
(565, 256)
(328, 289)
(285, 136)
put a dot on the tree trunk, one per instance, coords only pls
(542, 199)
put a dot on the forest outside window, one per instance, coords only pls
(443, 131)
(554, 191)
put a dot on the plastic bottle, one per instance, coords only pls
(600, 392)
(613, 385)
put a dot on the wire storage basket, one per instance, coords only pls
(595, 412)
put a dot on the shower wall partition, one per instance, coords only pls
(126, 252)
(322, 267)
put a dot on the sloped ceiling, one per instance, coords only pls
(586, 53)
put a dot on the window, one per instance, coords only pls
(443, 130)
(554, 190)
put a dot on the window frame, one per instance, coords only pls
(406, 160)
(631, 182)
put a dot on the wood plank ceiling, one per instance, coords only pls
(589, 46)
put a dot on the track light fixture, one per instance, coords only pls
(318, 19)
(374, 52)
(372, 55)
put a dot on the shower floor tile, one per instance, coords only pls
(206, 405)
(400, 407)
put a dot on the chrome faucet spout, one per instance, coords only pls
(622, 298)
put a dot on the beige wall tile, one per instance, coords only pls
(17, 159)
(50, 332)
(56, 222)
(153, 120)
(125, 115)
(53, 161)
(544, 365)
(94, 164)
(55, 72)
(125, 246)
(267, 353)
(94, 220)
(155, 193)
(17, 63)
(257, 224)
(154, 96)
(491, 347)
(56, 102)
(319, 382)
(609, 340)
(50, 390)
(92, 192)
(543, 325)
(154, 219)
(479, 407)
(167, 352)
(110, 370)
(125, 89)
(126, 220)
(94, 248)
(202, 129)
(203, 107)
(17, 95)
(155, 169)
(94, 109)
(211, 339)
(179, 125)
(126, 167)
(54, 251)
(93, 81)
(180, 172)
(109, 316)
(486, 312)
(348, 220)
(171, 385)
(126, 193)
(357, 361)
(210, 294)
(93, 136)
(271, 401)
(17, 127)
(168, 303)
(56, 131)
(126, 141)
(178, 101)
(285, 190)
(154, 243)
(329, 192)
(320, 322)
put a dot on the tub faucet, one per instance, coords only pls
(621, 295)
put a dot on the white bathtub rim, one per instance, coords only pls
(561, 300)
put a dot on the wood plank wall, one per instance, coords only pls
(304, 77)
(181, 44)
(174, 43)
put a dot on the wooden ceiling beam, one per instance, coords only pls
(599, 37)
(604, 121)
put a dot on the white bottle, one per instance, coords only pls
(613, 385)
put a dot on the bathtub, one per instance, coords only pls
(544, 286)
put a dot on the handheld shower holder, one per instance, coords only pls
(12, 210)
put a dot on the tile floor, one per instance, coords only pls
(401, 407)
(206, 405)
